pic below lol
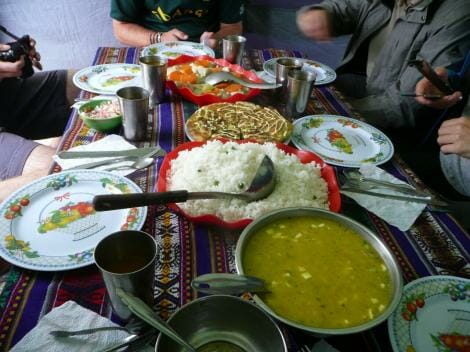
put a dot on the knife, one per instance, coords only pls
(110, 153)
(427, 200)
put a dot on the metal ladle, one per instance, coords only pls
(261, 186)
(223, 76)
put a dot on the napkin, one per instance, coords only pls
(110, 142)
(69, 316)
(399, 213)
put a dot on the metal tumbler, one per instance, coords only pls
(134, 103)
(232, 48)
(283, 66)
(154, 77)
(126, 260)
(299, 90)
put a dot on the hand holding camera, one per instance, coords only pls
(21, 54)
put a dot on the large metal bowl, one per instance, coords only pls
(224, 318)
(368, 235)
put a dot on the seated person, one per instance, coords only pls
(141, 23)
(453, 134)
(37, 107)
(386, 35)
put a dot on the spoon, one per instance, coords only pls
(228, 284)
(140, 163)
(223, 76)
(261, 186)
(144, 312)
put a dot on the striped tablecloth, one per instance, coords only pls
(435, 245)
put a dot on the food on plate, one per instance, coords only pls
(62, 217)
(241, 120)
(191, 75)
(230, 167)
(105, 110)
(334, 276)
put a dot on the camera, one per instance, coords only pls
(17, 49)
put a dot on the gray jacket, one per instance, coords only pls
(435, 30)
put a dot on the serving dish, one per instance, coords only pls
(432, 316)
(342, 141)
(327, 173)
(210, 98)
(324, 282)
(101, 124)
(51, 225)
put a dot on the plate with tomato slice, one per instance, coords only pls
(432, 316)
(342, 141)
(51, 225)
(186, 76)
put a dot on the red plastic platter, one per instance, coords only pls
(327, 173)
(206, 99)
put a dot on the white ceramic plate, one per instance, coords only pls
(50, 224)
(325, 74)
(342, 141)
(432, 316)
(171, 50)
(107, 79)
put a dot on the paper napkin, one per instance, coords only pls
(401, 214)
(69, 316)
(111, 142)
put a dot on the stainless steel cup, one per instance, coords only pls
(154, 77)
(283, 66)
(299, 89)
(134, 103)
(126, 260)
(232, 48)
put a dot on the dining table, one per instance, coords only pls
(436, 244)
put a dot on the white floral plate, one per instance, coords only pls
(325, 74)
(171, 50)
(51, 225)
(342, 141)
(107, 79)
(432, 316)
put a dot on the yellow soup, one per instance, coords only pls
(319, 273)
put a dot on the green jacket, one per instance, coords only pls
(435, 30)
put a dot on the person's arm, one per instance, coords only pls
(135, 35)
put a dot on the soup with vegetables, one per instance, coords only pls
(319, 272)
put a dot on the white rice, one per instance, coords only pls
(230, 167)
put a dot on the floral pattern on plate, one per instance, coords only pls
(325, 74)
(341, 140)
(432, 316)
(171, 50)
(51, 224)
(108, 78)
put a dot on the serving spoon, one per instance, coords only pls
(223, 76)
(261, 186)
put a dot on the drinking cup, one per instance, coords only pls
(126, 260)
(232, 48)
(283, 66)
(134, 103)
(299, 90)
(154, 77)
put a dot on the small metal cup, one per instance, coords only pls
(299, 90)
(154, 77)
(134, 103)
(232, 48)
(126, 260)
(283, 66)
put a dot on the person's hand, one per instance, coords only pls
(315, 24)
(209, 39)
(173, 35)
(34, 55)
(10, 69)
(454, 136)
(424, 86)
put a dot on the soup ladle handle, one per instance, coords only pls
(227, 284)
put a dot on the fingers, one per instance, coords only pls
(174, 34)
(315, 24)
(4, 47)
(443, 103)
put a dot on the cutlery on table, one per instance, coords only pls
(94, 164)
(137, 152)
(131, 341)
(140, 163)
(64, 333)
